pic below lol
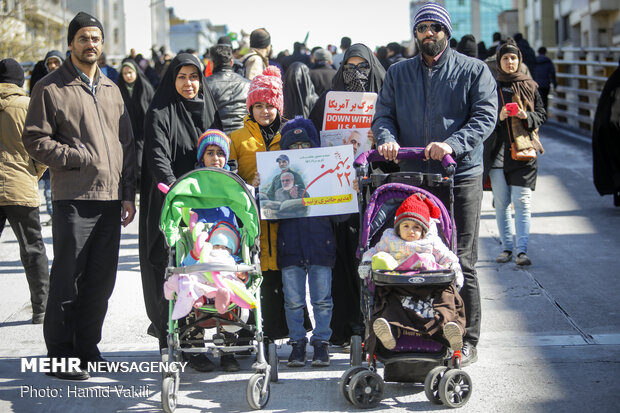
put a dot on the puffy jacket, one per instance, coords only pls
(19, 173)
(230, 92)
(454, 102)
(84, 138)
(245, 142)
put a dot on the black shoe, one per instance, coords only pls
(321, 354)
(200, 362)
(72, 375)
(469, 354)
(37, 318)
(229, 363)
(298, 354)
(523, 259)
(152, 331)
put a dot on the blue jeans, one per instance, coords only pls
(521, 198)
(294, 286)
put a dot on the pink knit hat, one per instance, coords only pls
(267, 87)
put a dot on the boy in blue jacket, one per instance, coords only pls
(306, 249)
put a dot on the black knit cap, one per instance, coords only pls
(260, 39)
(11, 72)
(82, 20)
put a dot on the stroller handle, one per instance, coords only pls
(404, 153)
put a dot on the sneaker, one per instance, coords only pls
(200, 362)
(469, 354)
(383, 331)
(523, 259)
(321, 354)
(454, 335)
(298, 354)
(505, 256)
(229, 363)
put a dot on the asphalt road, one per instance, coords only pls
(550, 332)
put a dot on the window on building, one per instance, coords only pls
(565, 28)
(116, 35)
(537, 30)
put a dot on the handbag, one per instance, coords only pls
(521, 145)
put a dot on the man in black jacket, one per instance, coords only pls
(229, 89)
(322, 72)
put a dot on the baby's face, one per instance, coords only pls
(410, 230)
(221, 247)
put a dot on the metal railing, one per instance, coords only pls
(581, 74)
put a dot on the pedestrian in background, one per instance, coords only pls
(229, 89)
(257, 59)
(513, 181)
(419, 107)
(92, 168)
(322, 72)
(544, 75)
(137, 94)
(299, 94)
(19, 189)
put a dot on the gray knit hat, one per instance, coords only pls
(433, 12)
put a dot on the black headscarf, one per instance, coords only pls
(174, 123)
(373, 84)
(375, 75)
(299, 94)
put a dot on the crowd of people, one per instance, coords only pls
(105, 133)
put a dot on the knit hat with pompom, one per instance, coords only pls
(417, 208)
(267, 87)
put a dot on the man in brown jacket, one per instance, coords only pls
(77, 124)
(19, 189)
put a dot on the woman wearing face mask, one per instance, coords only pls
(137, 94)
(181, 110)
(513, 181)
(360, 71)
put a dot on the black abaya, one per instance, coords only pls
(172, 127)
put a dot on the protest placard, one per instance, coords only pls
(347, 120)
(306, 182)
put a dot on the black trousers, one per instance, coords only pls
(27, 228)
(467, 205)
(86, 238)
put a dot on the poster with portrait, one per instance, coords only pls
(306, 182)
(347, 120)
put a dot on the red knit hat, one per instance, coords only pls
(417, 208)
(267, 87)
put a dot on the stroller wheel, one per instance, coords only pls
(366, 389)
(355, 355)
(256, 398)
(273, 362)
(345, 380)
(455, 388)
(431, 384)
(169, 392)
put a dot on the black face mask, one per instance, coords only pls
(356, 80)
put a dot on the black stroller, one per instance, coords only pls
(416, 359)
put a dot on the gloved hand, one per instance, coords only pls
(459, 280)
(364, 270)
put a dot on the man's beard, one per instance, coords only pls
(432, 48)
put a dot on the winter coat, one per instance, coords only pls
(454, 102)
(322, 75)
(230, 92)
(517, 173)
(19, 173)
(606, 139)
(245, 142)
(544, 74)
(84, 138)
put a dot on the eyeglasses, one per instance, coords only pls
(423, 28)
(351, 66)
(299, 145)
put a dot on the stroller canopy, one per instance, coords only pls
(209, 188)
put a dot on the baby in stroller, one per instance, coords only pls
(413, 244)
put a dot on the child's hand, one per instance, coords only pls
(256, 180)
(356, 186)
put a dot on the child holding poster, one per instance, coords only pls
(306, 249)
